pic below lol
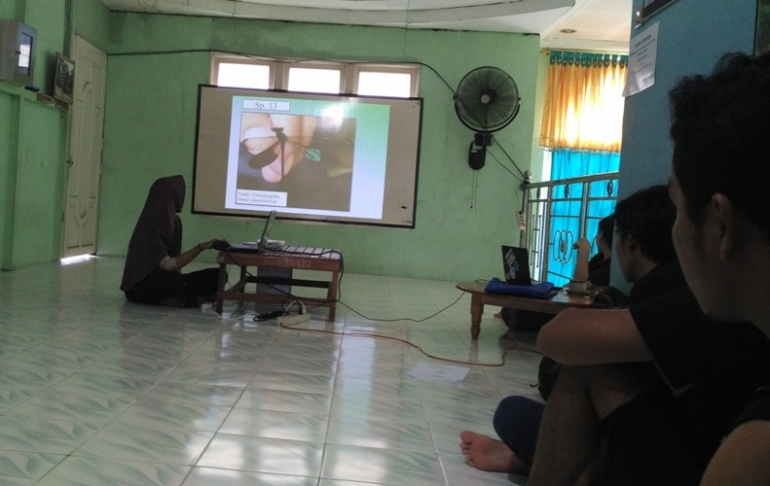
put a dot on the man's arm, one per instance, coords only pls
(583, 337)
(742, 459)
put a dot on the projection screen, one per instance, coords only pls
(316, 157)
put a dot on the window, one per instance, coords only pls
(315, 80)
(238, 72)
(386, 80)
(244, 76)
(390, 80)
(384, 84)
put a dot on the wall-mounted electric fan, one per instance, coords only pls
(487, 100)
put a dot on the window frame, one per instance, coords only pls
(220, 58)
(412, 69)
(325, 65)
(349, 71)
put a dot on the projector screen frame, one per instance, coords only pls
(391, 178)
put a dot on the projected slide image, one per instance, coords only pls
(295, 161)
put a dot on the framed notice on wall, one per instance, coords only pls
(64, 78)
(762, 41)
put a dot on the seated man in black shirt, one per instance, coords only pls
(599, 265)
(722, 236)
(646, 257)
(632, 429)
(719, 181)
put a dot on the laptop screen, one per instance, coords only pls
(516, 265)
(266, 231)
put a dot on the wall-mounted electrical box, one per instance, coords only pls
(18, 43)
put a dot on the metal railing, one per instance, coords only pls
(549, 232)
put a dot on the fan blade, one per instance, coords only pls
(495, 113)
(499, 83)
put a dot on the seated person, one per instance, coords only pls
(599, 265)
(718, 182)
(646, 258)
(598, 274)
(152, 272)
(612, 418)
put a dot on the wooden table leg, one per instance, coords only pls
(221, 286)
(477, 310)
(331, 296)
(243, 276)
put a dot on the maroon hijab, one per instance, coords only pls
(157, 233)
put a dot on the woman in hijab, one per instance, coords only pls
(152, 274)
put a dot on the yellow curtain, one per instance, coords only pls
(584, 102)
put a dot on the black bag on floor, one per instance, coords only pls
(547, 373)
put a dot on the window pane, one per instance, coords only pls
(253, 76)
(314, 80)
(397, 85)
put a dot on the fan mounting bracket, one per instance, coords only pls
(483, 139)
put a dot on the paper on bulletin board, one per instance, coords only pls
(641, 61)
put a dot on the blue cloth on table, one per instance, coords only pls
(542, 290)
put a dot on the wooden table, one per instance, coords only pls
(552, 305)
(329, 260)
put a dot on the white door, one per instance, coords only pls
(85, 148)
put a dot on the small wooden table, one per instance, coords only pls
(329, 260)
(552, 305)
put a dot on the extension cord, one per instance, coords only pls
(293, 320)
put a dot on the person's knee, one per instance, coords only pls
(608, 386)
(515, 415)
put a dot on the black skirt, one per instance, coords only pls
(162, 286)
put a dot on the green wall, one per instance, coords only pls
(150, 130)
(12, 9)
(39, 184)
(9, 119)
(50, 19)
(91, 22)
(33, 136)
(537, 151)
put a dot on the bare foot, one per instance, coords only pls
(488, 454)
(498, 315)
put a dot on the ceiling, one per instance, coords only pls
(598, 24)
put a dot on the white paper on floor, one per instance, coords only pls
(436, 372)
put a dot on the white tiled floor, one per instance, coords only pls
(98, 391)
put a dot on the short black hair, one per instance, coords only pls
(721, 132)
(648, 216)
(607, 228)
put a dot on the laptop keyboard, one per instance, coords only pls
(305, 250)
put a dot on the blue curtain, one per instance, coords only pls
(568, 163)
(565, 211)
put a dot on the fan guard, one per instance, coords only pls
(487, 100)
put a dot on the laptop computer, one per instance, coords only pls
(516, 265)
(259, 246)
